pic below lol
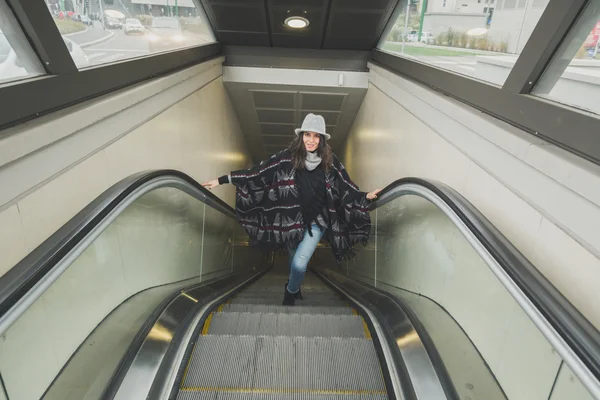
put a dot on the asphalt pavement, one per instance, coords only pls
(109, 45)
(120, 46)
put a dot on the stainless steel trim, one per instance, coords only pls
(40, 287)
(143, 370)
(387, 352)
(568, 355)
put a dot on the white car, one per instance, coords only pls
(426, 37)
(11, 68)
(133, 25)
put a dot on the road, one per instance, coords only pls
(119, 47)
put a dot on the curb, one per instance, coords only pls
(76, 33)
(97, 41)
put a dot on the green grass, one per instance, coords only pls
(66, 26)
(425, 51)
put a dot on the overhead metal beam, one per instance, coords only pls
(553, 26)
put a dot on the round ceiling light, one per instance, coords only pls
(296, 22)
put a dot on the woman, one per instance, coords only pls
(297, 197)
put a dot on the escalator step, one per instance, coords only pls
(277, 299)
(298, 309)
(287, 325)
(215, 395)
(283, 364)
(279, 289)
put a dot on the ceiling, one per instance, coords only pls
(269, 109)
(334, 24)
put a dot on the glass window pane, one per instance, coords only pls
(573, 76)
(480, 39)
(17, 59)
(104, 31)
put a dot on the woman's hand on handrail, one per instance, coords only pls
(211, 184)
(373, 195)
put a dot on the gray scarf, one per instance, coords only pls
(312, 161)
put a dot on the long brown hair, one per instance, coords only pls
(298, 151)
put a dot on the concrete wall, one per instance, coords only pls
(459, 22)
(464, 6)
(545, 200)
(515, 26)
(54, 166)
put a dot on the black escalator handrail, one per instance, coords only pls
(15, 284)
(577, 331)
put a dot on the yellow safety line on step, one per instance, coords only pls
(281, 390)
(206, 326)
(354, 312)
(186, 368)
(220, 309)
(366, 328)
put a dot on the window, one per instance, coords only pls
(99, 31)
(17, 59)
(483, 46)
(573, 76)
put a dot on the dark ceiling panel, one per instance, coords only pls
(334, 24)
(356, 24)
(380, 5)
(323, 102)
(242, 19)
(274, 99)
(301, 4)
(244, 38)
(277, 140)
(277, 129)
(239, 22)
(275, 116)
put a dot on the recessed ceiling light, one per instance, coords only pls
(296, 22)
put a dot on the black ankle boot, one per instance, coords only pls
(298, 294)
(288, 298)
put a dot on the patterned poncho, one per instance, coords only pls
(268, 206)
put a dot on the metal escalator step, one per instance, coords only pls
(216, 395)
(277, 299)
(259, 363)
(271, 309)
(279, 289)
(258, 324)
(278, 285)
(314, 295)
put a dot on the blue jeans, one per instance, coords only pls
(299, 258)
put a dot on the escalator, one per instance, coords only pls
(151, 292)
(258, 349)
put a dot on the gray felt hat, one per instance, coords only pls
(314, 123)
